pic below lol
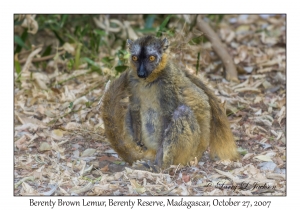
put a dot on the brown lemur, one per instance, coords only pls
(155, 111)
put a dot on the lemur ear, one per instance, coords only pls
(129, 43)
(165, 44)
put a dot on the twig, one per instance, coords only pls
(51, 191)
(85, 188)
(149, 190)
(29, 59)
(42, 58)
(105, 90)
(31, 178)
(176, 170)
(74, 111)
(92, 88)
(163, 184)
(167, 191)
(60, 117)
(231, 73)
(27, 52)
(73, 77)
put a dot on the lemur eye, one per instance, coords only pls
(134, 58)
(151, 58)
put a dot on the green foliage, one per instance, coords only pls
(77, 29)
(95, 39)
(77, 56)
(94, 66)
(70, 64)
(120, 69)
(152, 20)
(242, 151)
(216, 18)
(89, 40)
(108, 61)
(123, 56)
(18, 70)
(163, 26)
(88, 104)
(71, 105)
(47, 51)
(149, 21)
(119, 162)
(17, 67)
(92, 180)
(197, 65)
(198, 40)
(20, 42)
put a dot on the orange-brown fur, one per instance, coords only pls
(222, 143)
(208, 119)
(156, 72)
(113, 113)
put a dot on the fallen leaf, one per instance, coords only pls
(28, 190)
(137, 187)
(267, 166)
(76, 153)
(77, 190)
(109, 158)
(69, 48)
(44, 146)
(81, 100)
(21, 143)
(186, 178)
(105, 168)
(258, 112)
(88, 152)
(57, 134)
(263, 157)
(72, 126)
(256, 90)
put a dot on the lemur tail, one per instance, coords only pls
(221, 142)
(113, 110)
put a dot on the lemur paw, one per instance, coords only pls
(147, 165)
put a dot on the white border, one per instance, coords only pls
(8, 8)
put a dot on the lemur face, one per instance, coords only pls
(146, 54)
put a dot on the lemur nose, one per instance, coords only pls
(142, 75)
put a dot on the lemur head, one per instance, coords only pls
(148, 56)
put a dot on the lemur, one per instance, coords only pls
(157, 112)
